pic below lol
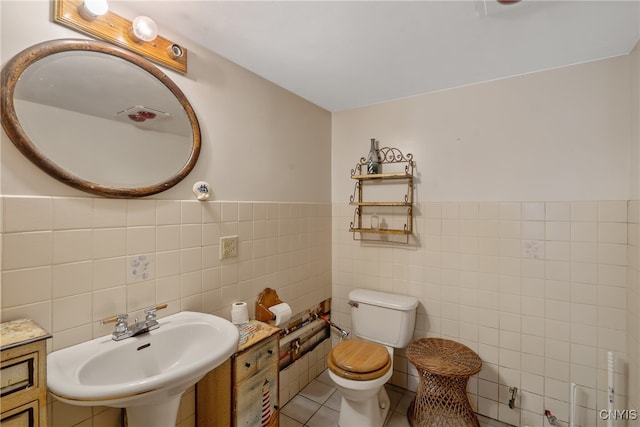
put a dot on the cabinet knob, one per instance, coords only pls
(248, 365)
(270, 351)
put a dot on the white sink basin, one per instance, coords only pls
(143, 371)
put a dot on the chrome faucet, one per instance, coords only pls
(124, 330)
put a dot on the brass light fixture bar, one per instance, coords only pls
(115, 29)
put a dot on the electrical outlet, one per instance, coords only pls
(228, 246)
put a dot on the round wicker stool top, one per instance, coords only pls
(443, 357)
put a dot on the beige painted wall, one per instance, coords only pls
(556, 135)
(260, 142)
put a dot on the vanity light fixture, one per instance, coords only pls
(91, 9)
(94, 18)
(143, 29)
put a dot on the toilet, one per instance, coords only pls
(361, 366)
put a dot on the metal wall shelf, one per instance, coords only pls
(402, 169)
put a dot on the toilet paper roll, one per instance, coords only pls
(282, 312)
(239, 313)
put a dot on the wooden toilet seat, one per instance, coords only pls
(359, 360)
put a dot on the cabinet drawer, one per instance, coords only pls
(22, 416)
(256, 358)
(18, 374)
(246, 364)
(268, 354)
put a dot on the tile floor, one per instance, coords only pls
(317, 405)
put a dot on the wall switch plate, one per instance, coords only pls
(228, 246)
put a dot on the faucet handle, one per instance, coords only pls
(150, 313)
(119, 318)
(120, 321)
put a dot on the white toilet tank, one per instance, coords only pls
(382, 317)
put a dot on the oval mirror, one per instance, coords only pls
(99, 118)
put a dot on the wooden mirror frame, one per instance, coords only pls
(10, 76)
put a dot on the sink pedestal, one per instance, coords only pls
(161, 414)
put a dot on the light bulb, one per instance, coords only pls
(91, 9)
(143, 29)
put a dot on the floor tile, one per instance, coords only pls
(394, 397)
(334, 401)
(325, 417)
(397, 420)
(300, 408)
(489, 422)
(317, 391)
(288, 422)
(403, 404)
(318, 405)
(324, 378)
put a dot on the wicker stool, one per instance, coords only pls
(444, 367)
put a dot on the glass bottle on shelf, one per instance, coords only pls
(375, 222)
(372, 159)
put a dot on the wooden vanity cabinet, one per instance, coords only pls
(213, 397)
(23, 375)
(243, 391)
(255, 385)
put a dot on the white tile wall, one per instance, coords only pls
(539, 289)
(69, 262)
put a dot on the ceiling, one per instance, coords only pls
(347, 54)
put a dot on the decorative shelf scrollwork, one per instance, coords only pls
(393, 166)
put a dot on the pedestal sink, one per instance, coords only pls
(146, 374)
